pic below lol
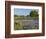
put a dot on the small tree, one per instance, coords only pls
(34, 13)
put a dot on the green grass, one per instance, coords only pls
(18, 17)
(18, 26)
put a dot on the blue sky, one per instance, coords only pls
(20, 11)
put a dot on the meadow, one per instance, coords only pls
(24, 23)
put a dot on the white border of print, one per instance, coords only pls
(26, 31)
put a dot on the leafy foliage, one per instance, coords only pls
(34, 13)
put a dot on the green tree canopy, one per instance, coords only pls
(34, 13)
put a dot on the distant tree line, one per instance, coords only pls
(33, 13)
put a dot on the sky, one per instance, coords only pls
(20, 11)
